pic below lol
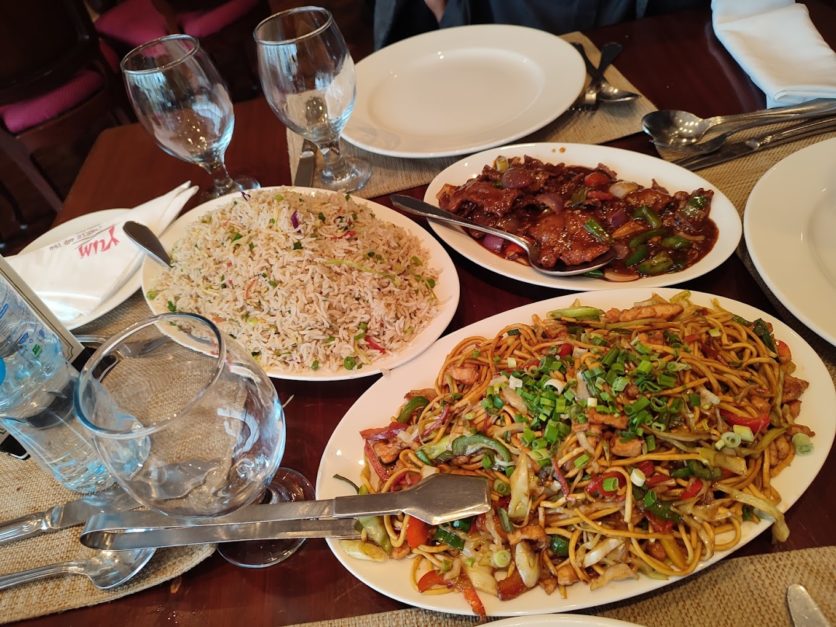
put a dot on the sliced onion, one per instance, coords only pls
(600, 551)
(527, 563)
(493, 243)
(613, 573)
(620, 189)
(294, 220)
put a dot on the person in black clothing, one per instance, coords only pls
(397, 19)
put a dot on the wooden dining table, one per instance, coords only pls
(674, 60)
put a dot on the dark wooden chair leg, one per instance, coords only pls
(23, 159)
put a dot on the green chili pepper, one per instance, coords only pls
(639, 254)
(504, 519)
(761, 329)
(648, 502)
(449, 538)
(676, 242)
(469, 444)
(702, 471)
(415, 403)
(598, 233)
(578, 313)
(658, 264)
(559, 546)
(463, 524)
(648, 215)
(641, 238)
(578, 196)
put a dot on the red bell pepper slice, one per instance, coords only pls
(693, 489)
(659, 525)
(595, 487)
(417, 533)
(655, 479)
(755, 423)
(371, 343)
(432, 579)
(565, 349)
(512, 251)
(465, 586)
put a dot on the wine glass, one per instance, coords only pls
(180, 98)
(307, 76)
(188, 423)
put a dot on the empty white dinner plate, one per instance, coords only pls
(71, 227)
(458, 90)
(561, 620)
(790, 231)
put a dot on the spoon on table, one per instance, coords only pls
(672, 128)
(532, 249)
(150, 243)
(607, 92)
(106, 569)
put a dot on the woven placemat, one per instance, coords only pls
(740, 591)
(392, 174)
(26, 488)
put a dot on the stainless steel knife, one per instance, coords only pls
(739, 149)
(67, 515)
(307, 165)
(804, 611)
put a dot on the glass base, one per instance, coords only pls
(287, 485)
(243, 182)
(359, 172)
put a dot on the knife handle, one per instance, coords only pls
(22, 527)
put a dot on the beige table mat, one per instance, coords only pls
(392, 174)
(741, 591)
(25, 488)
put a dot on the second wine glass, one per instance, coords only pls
(180, 98)
(307, 76)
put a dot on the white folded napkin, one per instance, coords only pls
(778, 46)
(77, 274)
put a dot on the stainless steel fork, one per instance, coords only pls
(588, 100)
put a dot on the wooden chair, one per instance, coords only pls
(55, 83)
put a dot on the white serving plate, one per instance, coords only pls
(344, 454)
(629, 166)
(446, 289)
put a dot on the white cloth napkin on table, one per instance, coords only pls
(777, 45)
(77, 274)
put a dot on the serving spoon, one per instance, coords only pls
(106, 569)
(144, 237)
(672, 128)
(532, 249)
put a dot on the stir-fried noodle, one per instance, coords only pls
(615, 443)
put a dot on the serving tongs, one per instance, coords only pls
(438, 499)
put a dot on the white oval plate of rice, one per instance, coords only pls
(319, 286)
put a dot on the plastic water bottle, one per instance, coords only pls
(36, 397)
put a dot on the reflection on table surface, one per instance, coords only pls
(676, 62)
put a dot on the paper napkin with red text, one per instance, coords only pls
(75, 275)
(778, 46)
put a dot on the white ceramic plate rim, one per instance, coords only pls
(447, 287)
(559, 64)
(777, 218)
(630, 166)
(344, 453)
(74, 226)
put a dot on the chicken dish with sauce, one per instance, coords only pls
(576, 214)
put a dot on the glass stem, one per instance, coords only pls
(220, 176)
(334, 166)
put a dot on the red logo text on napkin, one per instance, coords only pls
(99, 244)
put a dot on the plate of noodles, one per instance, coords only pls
(665, 224)
(318, 285)
(624, 435)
